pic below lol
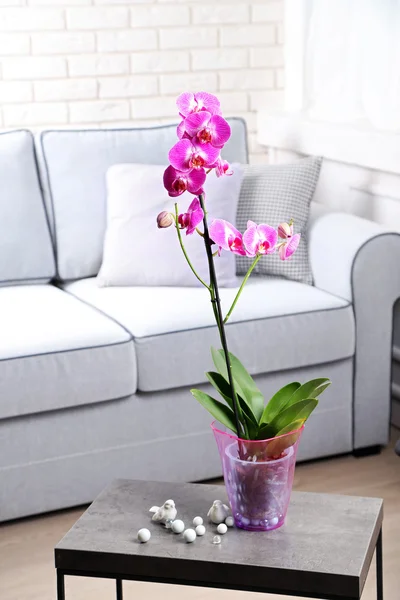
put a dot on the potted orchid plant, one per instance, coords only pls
(257, 440)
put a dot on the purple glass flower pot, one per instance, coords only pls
(258, 477)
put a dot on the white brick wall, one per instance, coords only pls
(69, 63)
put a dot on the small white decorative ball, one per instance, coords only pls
(222, 528)
(143, 535)
(189, 535)
(197, 521)
(200, 530)
(229, 521)
(178, 526)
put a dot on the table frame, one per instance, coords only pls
(119, 579)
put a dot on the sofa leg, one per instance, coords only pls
(368, 451)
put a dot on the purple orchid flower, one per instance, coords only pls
(180, 131)
(189, 103)
(222, 167)
(205, 128)
(259, 239)
(177, 182)
(226, 237)
(193, 217)
(286, 249)
(186, 155)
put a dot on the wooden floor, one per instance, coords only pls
(26, 547)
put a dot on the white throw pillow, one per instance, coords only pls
(137, 253)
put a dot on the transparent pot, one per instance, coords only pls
(258, 477)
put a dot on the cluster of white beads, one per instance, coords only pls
(189, 535)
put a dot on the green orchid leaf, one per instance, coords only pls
(265, 432)
(249, 391)
(310, 389)
(300, 411)
(221, 385)
(219, 411)
(275, 447)
(278, 402)
(280, 444)
(220, 364)
(252, 430)
(293, 426)
(224, 389)
(321, 389)
(218, 357)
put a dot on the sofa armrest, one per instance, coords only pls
(360, 261)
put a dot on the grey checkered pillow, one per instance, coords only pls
(273, 194)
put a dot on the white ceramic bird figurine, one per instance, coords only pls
(218, 512)
(164, 513)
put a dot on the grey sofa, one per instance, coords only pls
(94, 382)
(396, 368)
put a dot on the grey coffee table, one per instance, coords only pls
(323, 551)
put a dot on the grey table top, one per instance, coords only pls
(323, 550)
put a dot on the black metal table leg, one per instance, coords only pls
(60, 585)
(119, 589)
(379, 568)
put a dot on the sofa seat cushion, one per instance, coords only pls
(55, 352)
(277, 324)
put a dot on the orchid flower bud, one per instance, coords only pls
(165, 219)
(285, 230)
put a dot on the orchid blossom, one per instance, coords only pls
(176, 182)
(189, 103)
(226, 237)
(222, 167)
(186, 156)
(259, 239)
(287, 249)
(204, 128)
(181, 131)
(193, 217)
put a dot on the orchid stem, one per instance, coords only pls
(215, 300)
(255, 261)
(214, 307)
(185, 253)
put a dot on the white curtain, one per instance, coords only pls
(352, 62)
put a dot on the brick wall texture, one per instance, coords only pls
(105, 63)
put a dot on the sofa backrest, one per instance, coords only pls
(73, 165)
(26, 254)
